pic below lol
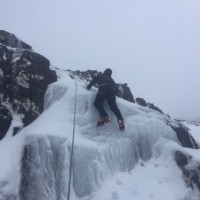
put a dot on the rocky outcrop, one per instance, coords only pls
(153, 107)
(183, 134)
(190, 169)
(24, 77)
(11, 40)
(5, 120)
(125, 92)
(84, 75)
(184, 137)
(142, 102)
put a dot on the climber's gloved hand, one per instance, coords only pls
(88, 87)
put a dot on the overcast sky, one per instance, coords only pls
(153, 45)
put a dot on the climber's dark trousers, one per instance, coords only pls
(98, 103)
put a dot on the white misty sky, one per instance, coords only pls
(153, 45)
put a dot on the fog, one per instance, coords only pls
(151, 45)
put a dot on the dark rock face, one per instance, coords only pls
(125, 92)
(190, 169)
(184, 136)
(152, 106)
(123, 89)
(142, 102)
(11, 40)
(84, 75)
(5, 120)
(24, 77)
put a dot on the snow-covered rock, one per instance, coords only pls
(24, 77)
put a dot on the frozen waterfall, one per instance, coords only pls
(99, 153)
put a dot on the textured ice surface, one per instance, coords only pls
(99, 153)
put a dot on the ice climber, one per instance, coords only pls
(106, 91)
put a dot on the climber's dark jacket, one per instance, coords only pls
(107, 90)
(105, 82)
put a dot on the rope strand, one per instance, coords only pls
(72, 149)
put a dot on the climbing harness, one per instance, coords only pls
(72, 148)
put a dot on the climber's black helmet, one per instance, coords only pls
(108, 72)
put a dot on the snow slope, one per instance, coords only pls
(110, 165)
